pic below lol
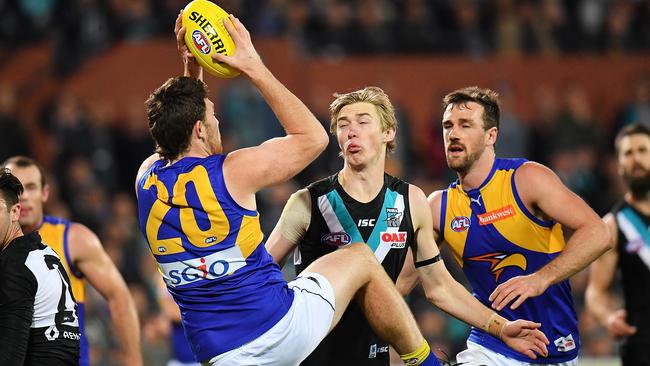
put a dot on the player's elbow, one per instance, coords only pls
(604, 234)
(320, 141)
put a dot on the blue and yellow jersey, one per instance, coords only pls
(210, 252)
(54, 233)
(494, 237)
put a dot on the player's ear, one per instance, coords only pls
(15, 212)
(46, 192)
(198, 131)
(491, 136)
(389, 134)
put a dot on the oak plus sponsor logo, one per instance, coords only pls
(460, 223)
(496, 215)
(396, 239)
(210, 267)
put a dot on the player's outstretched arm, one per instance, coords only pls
(248, 170)
(443, 291)
(291, 226)
(92, 261)
(191, 67)
(601, 275)
(542, 191)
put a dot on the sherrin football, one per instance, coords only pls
(206, 35)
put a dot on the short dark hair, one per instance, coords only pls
(488, 98)
(10, 188)
(25, 162)
(633, 129)
(172, 110)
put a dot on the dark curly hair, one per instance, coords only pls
(172, 110)
(10, 188)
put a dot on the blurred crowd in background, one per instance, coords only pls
(79, 29)
(96, 156)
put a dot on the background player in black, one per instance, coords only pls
(38, 320)
(628, 221)
(363, 203)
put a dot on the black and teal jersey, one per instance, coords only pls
(337, 219)
(633, 248)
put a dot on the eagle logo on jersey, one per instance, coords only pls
(500, 261)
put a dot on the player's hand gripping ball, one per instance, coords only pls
(206, 35)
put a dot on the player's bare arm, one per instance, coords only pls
(601, 275)
(88, 255)
(278, 159)
(291, 226)
(447, 294)
(408, 277)
(191, 67)
(544, 194)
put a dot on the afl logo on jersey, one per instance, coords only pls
(201, 42)
(337, 239)
(460, 223)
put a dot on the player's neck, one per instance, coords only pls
(13, 233)
(194, 151)
(639, 202)
(362, 184)
(478, 172)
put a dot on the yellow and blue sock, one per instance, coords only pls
(423, 356)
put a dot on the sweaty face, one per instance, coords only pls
(634, 163)
(33, 198)
(464, 135)
(359, 134)
(212, 126)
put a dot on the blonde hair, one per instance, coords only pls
(373, 95)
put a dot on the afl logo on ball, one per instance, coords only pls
(460, 223)
(201, 42)
(338, 239)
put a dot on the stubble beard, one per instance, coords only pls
(639, 186)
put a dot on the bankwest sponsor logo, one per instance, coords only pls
(210, 267)
(496, 215)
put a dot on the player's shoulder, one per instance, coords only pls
(145, 167)
(533, 170)
(435, 197)
(82, 241)
(323, 185)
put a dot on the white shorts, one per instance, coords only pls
(296, 335)
(477, 355)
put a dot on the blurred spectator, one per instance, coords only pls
(13, 138)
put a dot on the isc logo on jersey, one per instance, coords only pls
(213, 266)
(396, 239)
(460, 223)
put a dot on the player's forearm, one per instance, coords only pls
(192, 69)
(14, 337)
(598, 305)
(451, 297)
(585, 245)
(127, 326)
